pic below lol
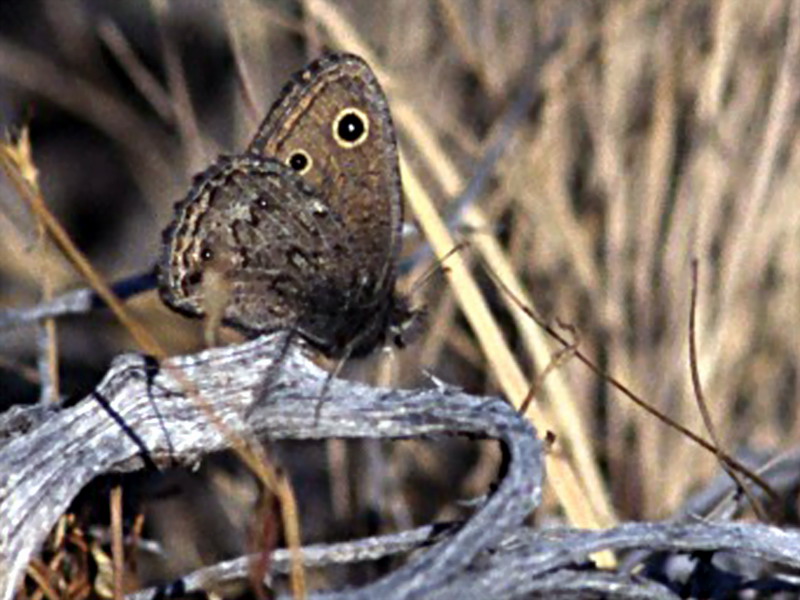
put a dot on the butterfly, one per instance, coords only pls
(302, 231)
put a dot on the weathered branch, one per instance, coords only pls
(49, 456)
(74, 302)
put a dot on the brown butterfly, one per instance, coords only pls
(303, 231)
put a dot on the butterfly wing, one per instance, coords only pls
(253, 232)
(332, 125)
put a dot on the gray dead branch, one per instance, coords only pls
(48, 454)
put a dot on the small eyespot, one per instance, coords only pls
(206, 254)
(350, 128)
(300, 161)
(262, 202)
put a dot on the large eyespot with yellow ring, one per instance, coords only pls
(300, 162)
(350, 128)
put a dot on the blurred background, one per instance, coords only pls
(586, 151)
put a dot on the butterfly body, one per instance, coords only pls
(302, 231)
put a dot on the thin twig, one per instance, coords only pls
(559, 359)
(233, 23)
(703, 407)
(117, 548)
(140, 76)
(192, 140)
(76, 257)
(628, 393)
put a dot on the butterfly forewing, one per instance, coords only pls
(334, 117)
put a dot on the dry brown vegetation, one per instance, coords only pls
(654, 133)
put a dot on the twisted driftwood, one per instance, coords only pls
(48, 455)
